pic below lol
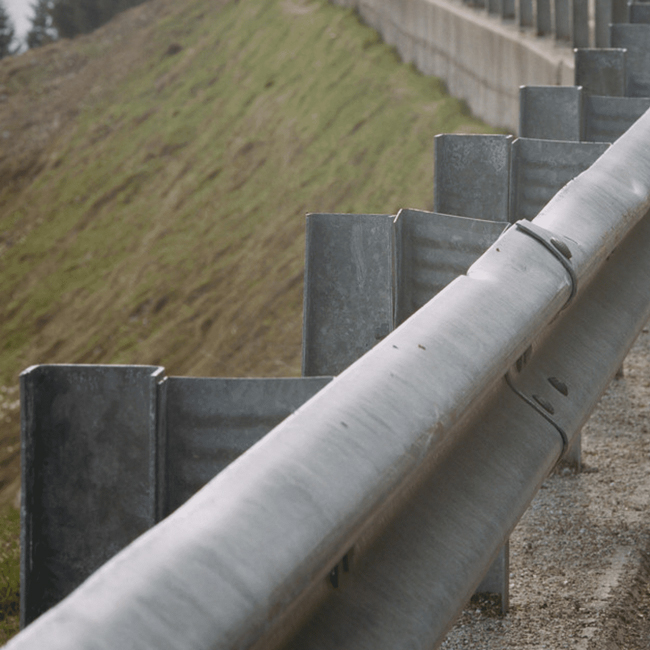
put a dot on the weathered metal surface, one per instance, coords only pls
(348, 289)
(636, 40)
(472, 179)
(550, 112)
(540, 168)
(603, 19)
(212, 421)
(543, 18)
(562, 20)
(620, 11)
(525, 13)
(88, 473)
(601, 71)
(639, 12)
(508, 9)
(580, 23)
(607, 118)
(433, 250)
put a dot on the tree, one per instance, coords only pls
(42, 31)
(7, 33)
(72, 17)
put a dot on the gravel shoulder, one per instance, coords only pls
(580, 556)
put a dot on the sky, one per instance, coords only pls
(20, 12)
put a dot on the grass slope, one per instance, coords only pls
(163, 222)
(154, 178)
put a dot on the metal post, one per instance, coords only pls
(543, 17)
(580, 23)
(636, 40)
(348, 289)
(607, 118)
(210, 422)
(536, 176)
(603, 18)
(563, 30)
(472, 177)
(601, 72)
(89, 451)
(525, 13)
(550, 112)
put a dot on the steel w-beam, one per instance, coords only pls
(393, 449)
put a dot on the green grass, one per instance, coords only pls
(9, 572)
(185, 183)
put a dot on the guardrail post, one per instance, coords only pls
(525, 13)
(636, 40)
(580, 23)
(620, 11)
(607, 118)
(603, 17)
(212, 421)
(494, 7)
(432, 250)
(601, 72)
(508, 9)
(562, 20)
(543, 17)
(428, 251)
(89, 457)
(348, 289)
(536, 177)
(639, 12)
(550, 112)
(471, 175)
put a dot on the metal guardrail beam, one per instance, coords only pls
(251, 556)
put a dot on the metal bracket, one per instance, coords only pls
(556, 246)
(543, 410)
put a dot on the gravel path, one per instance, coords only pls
(580, 556)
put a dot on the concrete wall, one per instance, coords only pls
(482, 59)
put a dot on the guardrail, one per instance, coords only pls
(369, 515)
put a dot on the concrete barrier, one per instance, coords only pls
(481, 59)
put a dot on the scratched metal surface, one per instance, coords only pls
(433, 250)
(601, 72)
(607, 118)
(635, 39)
(639, 12)
(348, 289)
(212, 421)
(541, 168)
(471, 175)
(550, 112)
(88, 490)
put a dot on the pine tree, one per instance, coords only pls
(72, 17)
(42, 31)
(7, 33)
